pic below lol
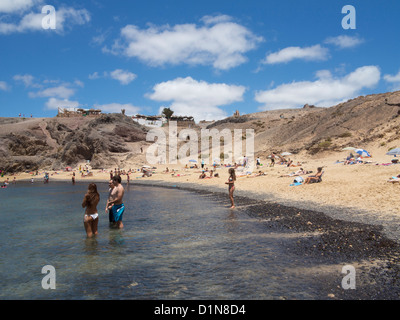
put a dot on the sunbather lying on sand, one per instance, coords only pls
(394, 179)
(258, 174)
(297, 173)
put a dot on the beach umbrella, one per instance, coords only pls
(349, 148)
(286, 154)
(362, 152)
(192, 160)
(146, 167)
(394, 152)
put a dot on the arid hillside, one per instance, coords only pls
(372, 119)
(114, 140)
(54, 143)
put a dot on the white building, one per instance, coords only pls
(150, 121)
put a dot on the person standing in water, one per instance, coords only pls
(91, 218)
(116, 204)
(231, 185)
(108, 206)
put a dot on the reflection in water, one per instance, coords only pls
(174, 245)
(115, 237)
(232, 223)
(91, 245)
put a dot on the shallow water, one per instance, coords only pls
(175, 245)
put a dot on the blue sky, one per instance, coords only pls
(200, 58)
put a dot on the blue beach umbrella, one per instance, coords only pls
(362, 152)
(192, 160)
(394, 152)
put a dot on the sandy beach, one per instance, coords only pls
(358, 192)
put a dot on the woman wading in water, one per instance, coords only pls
(91, 218)
(231, 185)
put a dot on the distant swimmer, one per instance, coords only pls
(91, 218)
(231, 185)
(115, 204)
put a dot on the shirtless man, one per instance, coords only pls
(115, 204)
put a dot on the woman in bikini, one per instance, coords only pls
(231, 185)
(91, 218)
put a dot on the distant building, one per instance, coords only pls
(236, 114)
(78, 112)
(150, 121)
(159, 121)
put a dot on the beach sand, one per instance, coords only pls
(358, 193)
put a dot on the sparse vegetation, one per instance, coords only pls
(347, 134)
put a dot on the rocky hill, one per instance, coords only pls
(54, 143)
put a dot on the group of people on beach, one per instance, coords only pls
(114, 206)
(232, 178)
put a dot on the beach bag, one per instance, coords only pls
(298, 180)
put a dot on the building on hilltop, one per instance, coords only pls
(149, 121)
(78, 112)
(159, 121)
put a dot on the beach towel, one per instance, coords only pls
(296, 184)
(298, 179)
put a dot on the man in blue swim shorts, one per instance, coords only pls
(115, 204)
(117, 212)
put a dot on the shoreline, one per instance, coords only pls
(334, 212)
(390, 225)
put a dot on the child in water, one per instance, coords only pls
(91, 218)
(231, 185)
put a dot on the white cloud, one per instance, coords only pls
(130, 109)
(62, 92)
(70, 16)
(54, 103)
(394, 80)
(216, 19)
(4, 86)
(94, 75)
(326, 91)
(344, 42)
(65, 19)
(219, 42)
(79, 83)
(123, 76)
(313, 53)
(28, 80)
(197, 98)
(11, 6)
(58, 96)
